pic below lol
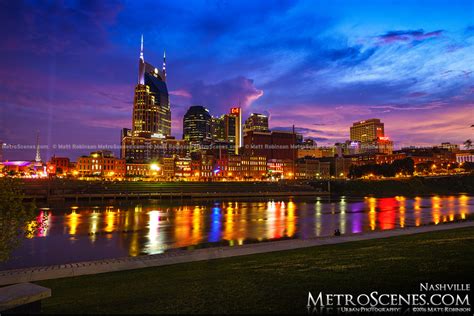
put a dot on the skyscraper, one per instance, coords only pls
(371, 135)
(150, 137)
(366, 131)
(218, 129)
(233, 129)
(151, 106)
(197, 126)
(256, 122)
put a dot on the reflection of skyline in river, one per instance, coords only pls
(149, 229)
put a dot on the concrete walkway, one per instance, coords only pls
(183, 256)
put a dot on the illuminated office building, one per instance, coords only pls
(233, 129)
(218, 129)
(197, 127)
(149, 138)
(256, 122)
(151, 106)
(367, 131)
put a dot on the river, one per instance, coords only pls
(87, 232)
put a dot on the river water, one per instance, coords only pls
(88, 232)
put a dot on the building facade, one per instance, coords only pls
(101, 163)
(218, 129)
(368, 130)
(148, 149)
(61, 165)
(465, 156)
(149, 136)
(197, 127)
(233, 129)
(151, 106)
(256, 122)
(272, 145)
(380, 145)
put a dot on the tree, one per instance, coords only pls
(468, 166)
(404, 166)
(16, 217)
(424, 166)
(468, 144)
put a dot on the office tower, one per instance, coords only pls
(366, 131)
(256, 122)
(197, 127)
(218, 129)
(233, 129)
(149, 139)
(151, 106)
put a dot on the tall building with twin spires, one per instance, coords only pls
(151, 105)
(150, 138)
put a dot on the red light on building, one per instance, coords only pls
(52, 169)
(384, 138)
(235, 111)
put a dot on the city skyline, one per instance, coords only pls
(321, 75)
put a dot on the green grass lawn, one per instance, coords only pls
(272, 282)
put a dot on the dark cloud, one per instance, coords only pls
(220, 96)
(408, 36)
(318, 139)
(301, 130)
(49, 27)
(351, 55)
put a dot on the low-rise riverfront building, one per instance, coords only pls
(101, 163)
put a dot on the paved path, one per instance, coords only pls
(182, 256)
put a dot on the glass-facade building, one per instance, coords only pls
(197, 126)
(151, 105)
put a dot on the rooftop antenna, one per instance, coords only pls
(164, 62)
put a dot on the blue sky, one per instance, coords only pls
(68, 68)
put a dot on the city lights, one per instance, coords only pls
(155, 167)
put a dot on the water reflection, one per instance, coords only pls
(85, 233)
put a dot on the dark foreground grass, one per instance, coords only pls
(273, 282)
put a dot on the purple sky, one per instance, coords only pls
(68, 68)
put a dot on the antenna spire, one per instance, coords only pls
(141, 65)
(141, 49)
(164, 62)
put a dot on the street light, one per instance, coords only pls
(154, 167)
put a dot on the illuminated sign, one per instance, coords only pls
(235, 110)
(384, 138)
(157, 135)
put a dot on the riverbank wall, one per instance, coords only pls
(57, 190)
(456, 184)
